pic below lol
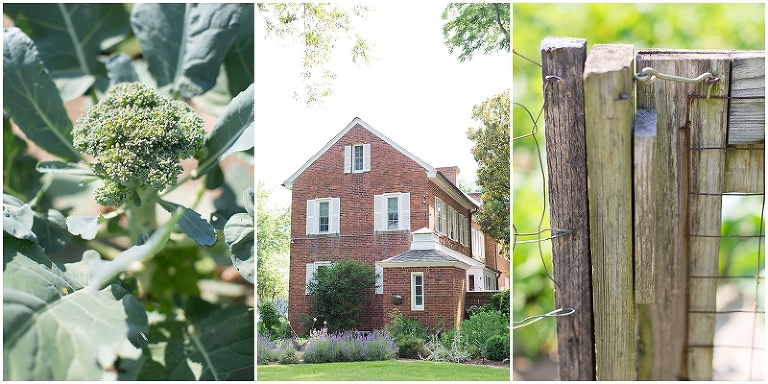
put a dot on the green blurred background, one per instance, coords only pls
(677, 26)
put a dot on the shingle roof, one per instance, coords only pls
(424, 256)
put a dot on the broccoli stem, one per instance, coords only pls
(142, 218)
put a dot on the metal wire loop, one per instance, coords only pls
(649, 75)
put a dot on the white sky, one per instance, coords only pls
(413, 91)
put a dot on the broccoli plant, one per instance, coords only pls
(111, 111)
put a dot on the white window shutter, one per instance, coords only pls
(347, 159)
(366, 157)
(310, 217)
(377, 214)
(310, 276)
(405, 211)
(379, 279)
(335, 215)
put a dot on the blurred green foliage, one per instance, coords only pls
(678, 26)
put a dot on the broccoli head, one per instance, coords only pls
(138, 138)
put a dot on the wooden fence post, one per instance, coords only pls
(609, 113)
(562, 62)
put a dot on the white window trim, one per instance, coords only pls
(463, 230)
(453, 224)
(379, 290)
(381, 211)
(415, 307)
(440, 216)
(349, 158)
(478, 244)
(313, 216)
(312, 270)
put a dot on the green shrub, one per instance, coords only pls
(265, 350)
(271, 321)
(500, 301)
(481, 327)
(339, 294)
(497, 347)
(410, 347)
(379, 347)
(400, 326)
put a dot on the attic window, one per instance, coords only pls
(357, 158)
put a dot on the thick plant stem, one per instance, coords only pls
(142, 218)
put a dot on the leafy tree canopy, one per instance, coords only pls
(477, 26)
(491, 151)
(272, 244)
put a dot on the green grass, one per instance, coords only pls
(391, 370)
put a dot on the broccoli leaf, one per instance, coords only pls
(233, 131)
(84, 226)
(213, 344)
(73, 169)
(52, 230)
(239, 236)
(238, 63)
(31, 98)
(185, 44)
(18, 218)
(53, 329)
(120, 69)
(197, 228)
(70, 38)
(106, 270)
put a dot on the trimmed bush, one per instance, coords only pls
(410, 347)
(339, 294)
(497, 348)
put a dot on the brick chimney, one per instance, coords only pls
(450, 173)
(477, 196)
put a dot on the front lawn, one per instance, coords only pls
(391, 370)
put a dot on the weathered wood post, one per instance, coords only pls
(664, 325)
(562, 62)
(609, 113)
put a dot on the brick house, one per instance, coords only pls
(364, 197)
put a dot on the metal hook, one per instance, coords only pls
(649, 75)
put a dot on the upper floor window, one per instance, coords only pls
(323, 215)
(440, 216)
(453, 224)
(357, 158)
(392, 211)
(478, 244)
(463, 230)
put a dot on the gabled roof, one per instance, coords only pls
(432, 173)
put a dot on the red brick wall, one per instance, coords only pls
(443, 295)
(391, 171)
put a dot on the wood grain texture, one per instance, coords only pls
(644, 137)
(567, 175)
(707, 129)
(746, 118)
(609, 112)
(745, 169)
(663, 335)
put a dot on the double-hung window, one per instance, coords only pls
(440, 216)
(417, 291)
(323, 216)
(453, 224)
(392, 211)
(313, 270)
(357, 158)
(463, 230)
